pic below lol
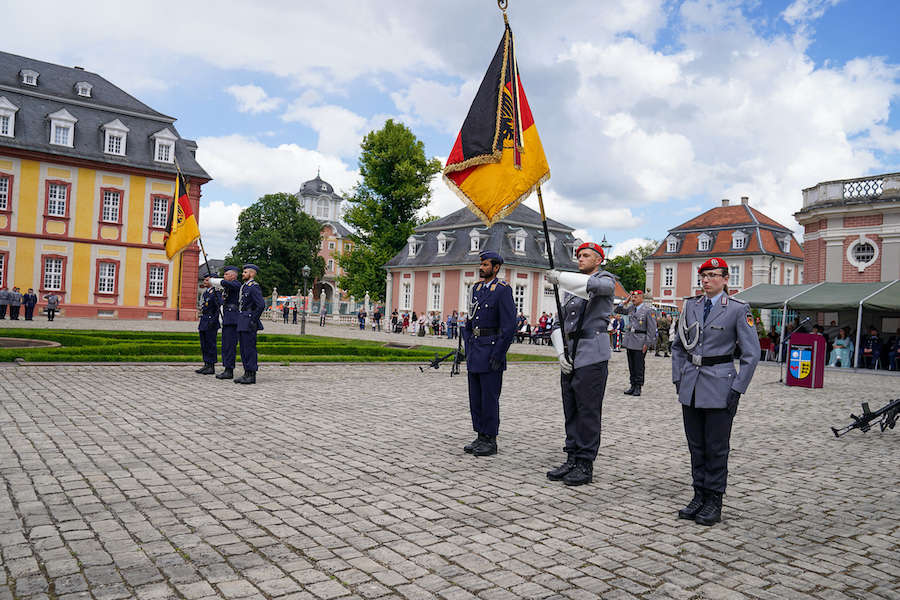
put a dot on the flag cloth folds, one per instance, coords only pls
(181, 227)
(498, 159)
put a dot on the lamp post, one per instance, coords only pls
(305, 272)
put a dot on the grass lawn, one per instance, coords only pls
(163, 346)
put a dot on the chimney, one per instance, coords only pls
(725, 201)
(78, 68)
(745, 199)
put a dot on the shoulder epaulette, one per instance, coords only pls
(502, 282)
(252, 283)
(738, 300)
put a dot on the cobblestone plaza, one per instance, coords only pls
(350, 482)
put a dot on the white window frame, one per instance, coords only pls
(704, 243)
(520, 296)
(111, 206)
(405, 295)
(734, 277)
(466, 299)
(164, 139)
(442, 246)
(851, 253)
(775, 275)
(112, 130)
(474, 241)
(158, 218)
(62, 120)
(668, 276)
(30, 77)
(2, 266)
(788, 275)
(8, 110)
(414, 245)
(786, 245)
(331, 245)
(738, 240)
(520, 243)
(83, 89)
(323, 208)
(156, 281)
(57, 197)
(5, 193)
(106, 278)
(53, 275)
(672, 244)
(436, 296)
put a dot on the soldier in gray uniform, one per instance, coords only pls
(4, 301)
(585, 320)
(640, 335)
(15, 302)
(711, 326)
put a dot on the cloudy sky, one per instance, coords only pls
(650, 110)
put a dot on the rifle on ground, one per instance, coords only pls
(458, 357)
(885, 417)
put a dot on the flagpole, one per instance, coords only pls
(200, 237)
(559, 311)
(178, 298)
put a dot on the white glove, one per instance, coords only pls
(564, 365)
(574, 283)
(215, 282)
(552, 276)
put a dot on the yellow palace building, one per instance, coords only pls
(87, 175)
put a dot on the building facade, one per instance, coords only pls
(757, 248)
(852, 230)
(439, 266)
(87, 176)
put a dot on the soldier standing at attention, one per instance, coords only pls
(4, 301)
(638, 337)
(488, 334)
(208, 327)
(709, 329)
(29, 300)
(251, 308)
(662, 334)
(585, 323)
(231, 291)
(15, 302)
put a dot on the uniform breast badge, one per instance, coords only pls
(750, 321)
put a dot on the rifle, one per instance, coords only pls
(458, 356)
(885, 417)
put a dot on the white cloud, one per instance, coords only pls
(340, 130)
(252, 98)
(807, 10)
(218, 224)
(431, 103)
(626, 246)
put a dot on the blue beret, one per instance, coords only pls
(251, 266)
(492, 256)
(230, 268)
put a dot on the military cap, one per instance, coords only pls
(713, 263)
(251, 266)
(230, 268)
(491, 256)
(591, 246)
(641, 292)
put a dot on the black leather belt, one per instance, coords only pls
(482, 331)
(708, 361)
(637, 330)
(231, 306)
(582, 335)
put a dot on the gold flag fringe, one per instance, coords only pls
(503, 212)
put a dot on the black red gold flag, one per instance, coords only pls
(181, 227)
(498, 159)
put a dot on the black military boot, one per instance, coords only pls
(208, 369)
(581, 473)
(562, 470)
(247, 377)
(486, 447)
(629, 391)
(636, 390)
(711, 511)
(468, 448)
(226, 374)
(690, 511)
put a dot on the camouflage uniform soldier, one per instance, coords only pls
(662, 334)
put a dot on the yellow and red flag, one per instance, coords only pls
(181, 227)
(498, 159)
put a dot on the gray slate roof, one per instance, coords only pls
(56, 90)
(339, 227)
(460, 224)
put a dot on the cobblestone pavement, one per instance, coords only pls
(334, 482)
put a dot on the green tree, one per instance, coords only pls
(630, 268)
(394, 187)
(277, 237)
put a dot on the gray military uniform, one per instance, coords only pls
(4, 302)
(584, 387)
(641, 330)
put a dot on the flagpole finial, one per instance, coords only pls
(503, 4)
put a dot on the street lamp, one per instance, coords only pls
(305, 272)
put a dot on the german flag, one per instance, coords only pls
(181, 227)
(498, 159)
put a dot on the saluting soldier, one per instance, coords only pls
(488, 334)
(585, 322)
(231, 291)
(639, 336)
(251, 308)
(208, 327)
(711, 326)
(662, 334)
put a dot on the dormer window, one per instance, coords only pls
(62, 128)
(519, 243)
(786, 245)
(29, 77)
(704, 242)
(415, 244)
(83, 89)
(115, 136)
(475, 241)
(164, 146)
(444, 242)
(672, 244)
(738, 240)
(7, 117)
(517, 239)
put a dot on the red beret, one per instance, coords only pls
(641, 292)
(591, 246)
(713, 263)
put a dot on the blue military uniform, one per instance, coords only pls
(208, 327)
(231, 291)
(250, 309)
(488, 334)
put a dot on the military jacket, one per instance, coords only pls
(593, 337)
(15, 299)
(662, 329)
(251, 307)
(728, 325)
(231, 292)
(493, 310)
(209, 310)
(641, 329)
(4, 297)
(29, 299)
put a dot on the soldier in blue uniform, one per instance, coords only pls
(231, 290)
(585, 321)
(711, 326)
(209, 327)
(251, 308)
(488, 333)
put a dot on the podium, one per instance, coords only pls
(806, 360)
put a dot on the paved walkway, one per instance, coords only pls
(334, 482)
